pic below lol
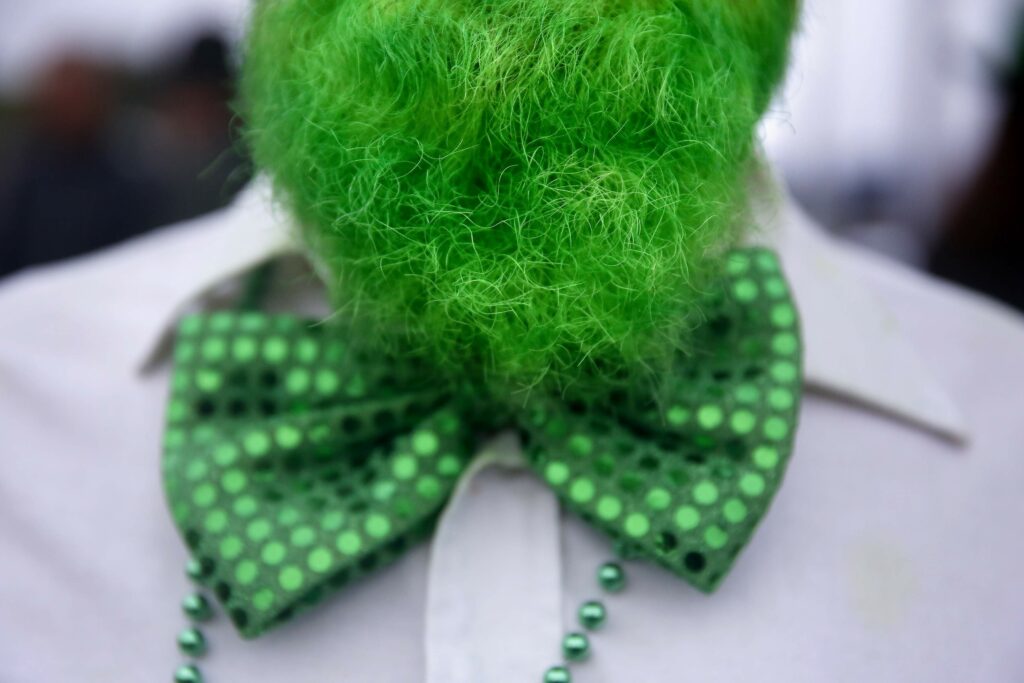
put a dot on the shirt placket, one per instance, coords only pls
(494, 590)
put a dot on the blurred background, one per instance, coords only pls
(901, 127)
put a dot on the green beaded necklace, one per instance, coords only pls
(592, 614)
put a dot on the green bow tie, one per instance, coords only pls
(293, 465)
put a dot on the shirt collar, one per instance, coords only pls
(854, 348)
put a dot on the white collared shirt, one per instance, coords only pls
(892, 553)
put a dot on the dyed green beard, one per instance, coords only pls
(534, 191)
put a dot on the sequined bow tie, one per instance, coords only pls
(292, 465)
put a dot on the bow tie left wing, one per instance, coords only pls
(684, 477)
(293, 466)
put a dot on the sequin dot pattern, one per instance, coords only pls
(294, 464)
(274, 467)
(690, 496)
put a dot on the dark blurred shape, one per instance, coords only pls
(101, 155)
(66, 192)
(192, 149)
(982, 244)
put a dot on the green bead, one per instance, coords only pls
(188, 674)
(592, 615)
(194, 570)
(611, 577)
(197, 607)
(192, 642)
(557, 674)
(576, 647)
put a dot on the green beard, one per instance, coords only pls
(534, 191)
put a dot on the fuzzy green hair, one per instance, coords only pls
(529, 190)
